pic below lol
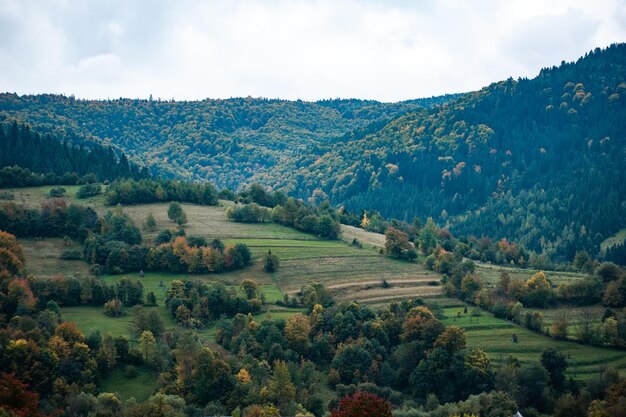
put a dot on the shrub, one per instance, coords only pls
(113, 308)
(88, 190)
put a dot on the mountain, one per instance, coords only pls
(227, 142)
(539, 161)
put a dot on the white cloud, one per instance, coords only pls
(309, 49)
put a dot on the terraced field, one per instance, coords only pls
(353, 274)
(494, 336)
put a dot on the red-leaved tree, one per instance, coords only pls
(362, 404)
(17, 399)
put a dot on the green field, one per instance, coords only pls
(490, 274)
(34, 196)
(43, 258)
(494, 336)
(91, 318)
(139, 387)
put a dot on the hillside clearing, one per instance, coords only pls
(494, 336)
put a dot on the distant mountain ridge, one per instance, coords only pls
(224, 141)
(540, 161)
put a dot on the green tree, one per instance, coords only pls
(151, 299)
(151, 223)
(428, 237)
(211, 378)
(270, 262)
(174, 210)
(281, 389)
(250, 288)
(181, 219)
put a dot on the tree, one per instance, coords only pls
(16, 399)
(556, 364)
(113, 308)
(174, 210)
(108, 405)
(151, 299)
(428, 237)
(297, 332)
(181, 219)
(608, 271)
(397, 245)
(362, 404)
(270, 262)
(452, 339)
(211, 378)
(281, 389)
(250, 288)
(151, 223)
(147, 346)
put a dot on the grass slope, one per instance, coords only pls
(139, 387)
(617, 239)
(494, 336)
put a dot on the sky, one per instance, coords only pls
(309, 49)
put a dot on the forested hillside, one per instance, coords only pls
(227, 142)
(28, 158)
(538, 161)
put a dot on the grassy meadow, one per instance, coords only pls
(495, 337)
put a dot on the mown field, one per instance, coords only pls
(495, 337)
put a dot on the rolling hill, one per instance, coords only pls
(537, 161)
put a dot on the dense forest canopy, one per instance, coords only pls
(224, 141)
(28, 158)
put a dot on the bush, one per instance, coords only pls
(88, 190)
(270, 262)
(56, 192)
(113, 308)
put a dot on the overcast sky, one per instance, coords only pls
(384, 50)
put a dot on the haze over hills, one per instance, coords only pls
(537, 161)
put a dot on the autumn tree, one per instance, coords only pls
(397, 245)
(147, 345)
(451, 339)
(297, 332)
(362, 404)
